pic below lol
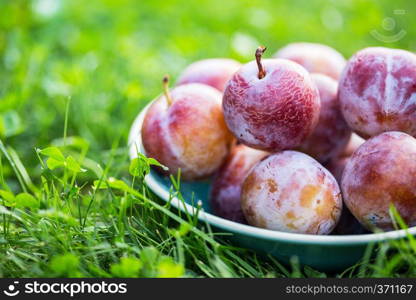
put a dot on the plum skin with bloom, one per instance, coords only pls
(214, 72)
(273, 113)
(226, 187)
(290, 191)
(316, 58)
(331, 134)
(377, 91)
(189, 134)
(380, 173)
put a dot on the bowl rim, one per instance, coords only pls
(135, 144)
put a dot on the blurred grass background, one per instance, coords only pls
(109, 55)
(104, 60)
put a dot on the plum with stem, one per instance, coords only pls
(185, 129)
(271, 104)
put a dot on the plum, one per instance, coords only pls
(272, 104)
(226, 188)
(377, 91)
(290, 191)
(316, 58)
(185, 129)
(380, 173)
(214, 72)
(332, 133)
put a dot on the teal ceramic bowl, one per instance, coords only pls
(322, 252)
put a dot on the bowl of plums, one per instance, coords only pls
(305, 154)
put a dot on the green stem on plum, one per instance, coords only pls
(259, 52)
(166, 89)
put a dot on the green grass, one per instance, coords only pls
(71, 82)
